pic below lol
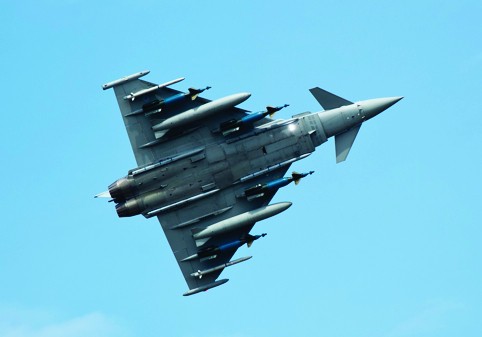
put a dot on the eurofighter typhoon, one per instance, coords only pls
(208, 169)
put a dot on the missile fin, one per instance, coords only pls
(296, 177)
(160, 133)
(199, 242)
(272, 110)
(252, 238)
(194, 93)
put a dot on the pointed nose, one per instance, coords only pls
(373, 107)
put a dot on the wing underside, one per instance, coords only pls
(146, 147)
(220, 206)
(192, 144)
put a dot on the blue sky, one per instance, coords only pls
(386, 244)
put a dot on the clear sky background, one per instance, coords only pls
(386, 244)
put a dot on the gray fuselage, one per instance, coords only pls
(240, 158)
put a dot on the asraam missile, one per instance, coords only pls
(206, 287)
(234, 125)
(203, 111)
(200, 273)
(261, 189)
(125, 79)
(214, 250)
(133, 95)
(238, 221)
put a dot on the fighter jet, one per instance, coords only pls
(208, 169)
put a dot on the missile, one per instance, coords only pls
(200, 112)
(165, 161)
(133, 95)
(157, 105)
(125, 79)
(237, 124)
(271, 168)
(214, 250)
(180, 203)
(261, 189)
(142, 203)
(200, 273)
(192, 94)
(206, 287)
(238, 221)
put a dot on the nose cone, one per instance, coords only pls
(373, 107)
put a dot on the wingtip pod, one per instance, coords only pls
(125, 79)
(206, 287)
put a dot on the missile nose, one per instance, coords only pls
(375, 106)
